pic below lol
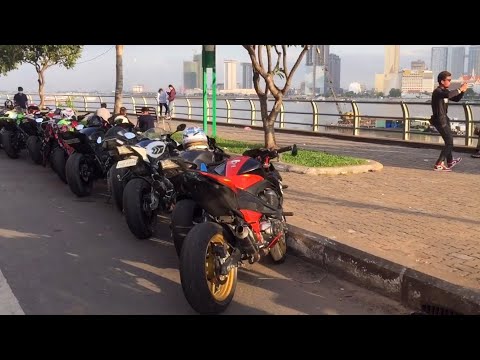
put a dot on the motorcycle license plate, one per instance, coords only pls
(127, 163)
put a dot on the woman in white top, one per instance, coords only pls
(162, 101)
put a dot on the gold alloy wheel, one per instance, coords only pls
(220, 286)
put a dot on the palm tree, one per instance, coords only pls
(119, 79)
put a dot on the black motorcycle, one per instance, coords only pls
(15, 132)
(88, 162)
(149, 187)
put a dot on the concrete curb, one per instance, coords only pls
(341, 170)
(412, 288)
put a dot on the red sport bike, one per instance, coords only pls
(230, 212)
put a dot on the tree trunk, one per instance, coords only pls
(269, 125)
(41, 84)
(119, 79)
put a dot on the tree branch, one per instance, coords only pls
(269, 57)
(297, 64)
(260, 56)
(285, 68)
(277, 65)
(256, 65)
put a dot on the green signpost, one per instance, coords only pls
(208, 61)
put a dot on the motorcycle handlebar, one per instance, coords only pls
(284, 149)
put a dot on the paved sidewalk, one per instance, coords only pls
(406, 213)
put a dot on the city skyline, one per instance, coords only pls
(160, 65)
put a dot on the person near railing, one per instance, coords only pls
(103, 112)
(145, 120)
(122, 115)
(162, 101)
(440, 97)
(20, 99)
(172, 93)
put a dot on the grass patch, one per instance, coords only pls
(310, 158)
(236, 147)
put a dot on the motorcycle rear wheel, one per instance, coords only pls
(206, 291)
(135, 200)
(76, 179)
(59, 163)
(8, 144)
(182, 221)
(117, 186)
(34, 146)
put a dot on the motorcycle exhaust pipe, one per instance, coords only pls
(241, 231)
(247, 240)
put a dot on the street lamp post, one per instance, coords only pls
(208, 61)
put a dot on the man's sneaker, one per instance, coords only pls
(477, 154)
(441, 167)
(454, 162)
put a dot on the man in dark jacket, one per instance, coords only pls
(440, 97)
(20, 99)
(145, 120)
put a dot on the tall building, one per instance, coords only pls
(474, 60)
(417, 81)
(320, 56)
(390, 79)
(189, 75)
(334, 66)
(392, 59)
(314, 70)
(230, 74)
(247, 76)
(418, 65)
(197, 59)
(456, 60)
(439, 60)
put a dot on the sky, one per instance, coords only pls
(155, 66)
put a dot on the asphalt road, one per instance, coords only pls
(60, 254)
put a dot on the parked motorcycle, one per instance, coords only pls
(150, 187)
(242, 219)
(89, 161)
(117, 178)
(16, 128)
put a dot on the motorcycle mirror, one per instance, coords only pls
(79, 127)
(181, 127)
(99, 140)
(129, 135)
(294, 150)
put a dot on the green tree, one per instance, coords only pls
(119, 79)
(380, 94)
(41, 57)
(395, 93)
(267, 70)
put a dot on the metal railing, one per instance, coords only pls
(400, 121)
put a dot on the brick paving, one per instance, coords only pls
(405, 213)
